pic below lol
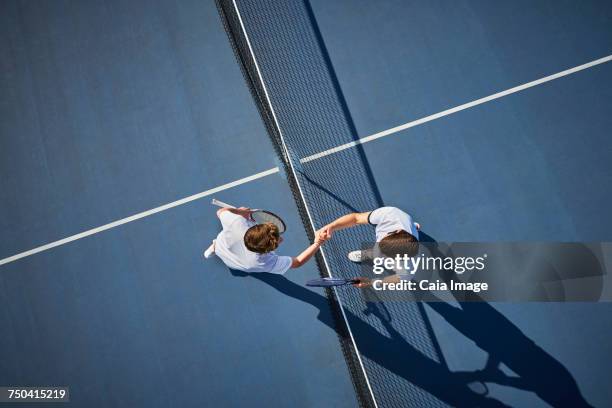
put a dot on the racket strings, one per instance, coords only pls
(262, 217)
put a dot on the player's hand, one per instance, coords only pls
(244, 211)
(327, 230)
(321, 236)
(363, 282)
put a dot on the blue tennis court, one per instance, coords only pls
(121, 120)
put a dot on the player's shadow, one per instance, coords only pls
(392, 352)
(536, 370)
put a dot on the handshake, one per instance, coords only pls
(323, 235)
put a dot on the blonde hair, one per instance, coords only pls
(262, 238)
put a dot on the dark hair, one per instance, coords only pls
(399, 243)
(262, 238)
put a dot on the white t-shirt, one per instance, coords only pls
(390, 219)
(232, 251)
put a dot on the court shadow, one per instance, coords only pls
(358, 148)
(336, 197)
(536, 370)
(391, 352)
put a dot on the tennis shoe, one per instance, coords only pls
(210, 251)
(354, 256)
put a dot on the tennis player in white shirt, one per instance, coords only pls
(396, 233)
(249, 247)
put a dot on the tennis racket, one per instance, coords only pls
(326, 282)
(259, 216)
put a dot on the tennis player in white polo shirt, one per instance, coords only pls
(249, 247)
(396, 232)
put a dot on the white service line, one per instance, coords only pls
(139, 215)
(456, 109)
(337, 149)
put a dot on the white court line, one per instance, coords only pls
(457, 109)
(337, 149)
(139, 215)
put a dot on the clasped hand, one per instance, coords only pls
(323, 234)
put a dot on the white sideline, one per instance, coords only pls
(316, 156)
(456, 109)
(138, 216)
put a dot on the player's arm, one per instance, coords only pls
(242, 211)
(347, 221)
(305, 256)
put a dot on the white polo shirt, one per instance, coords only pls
(232, 251)
(390, 219)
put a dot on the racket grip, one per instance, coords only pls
(221, 204)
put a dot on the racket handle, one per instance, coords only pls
(221, 204)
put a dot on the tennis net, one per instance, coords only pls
(286, 66)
